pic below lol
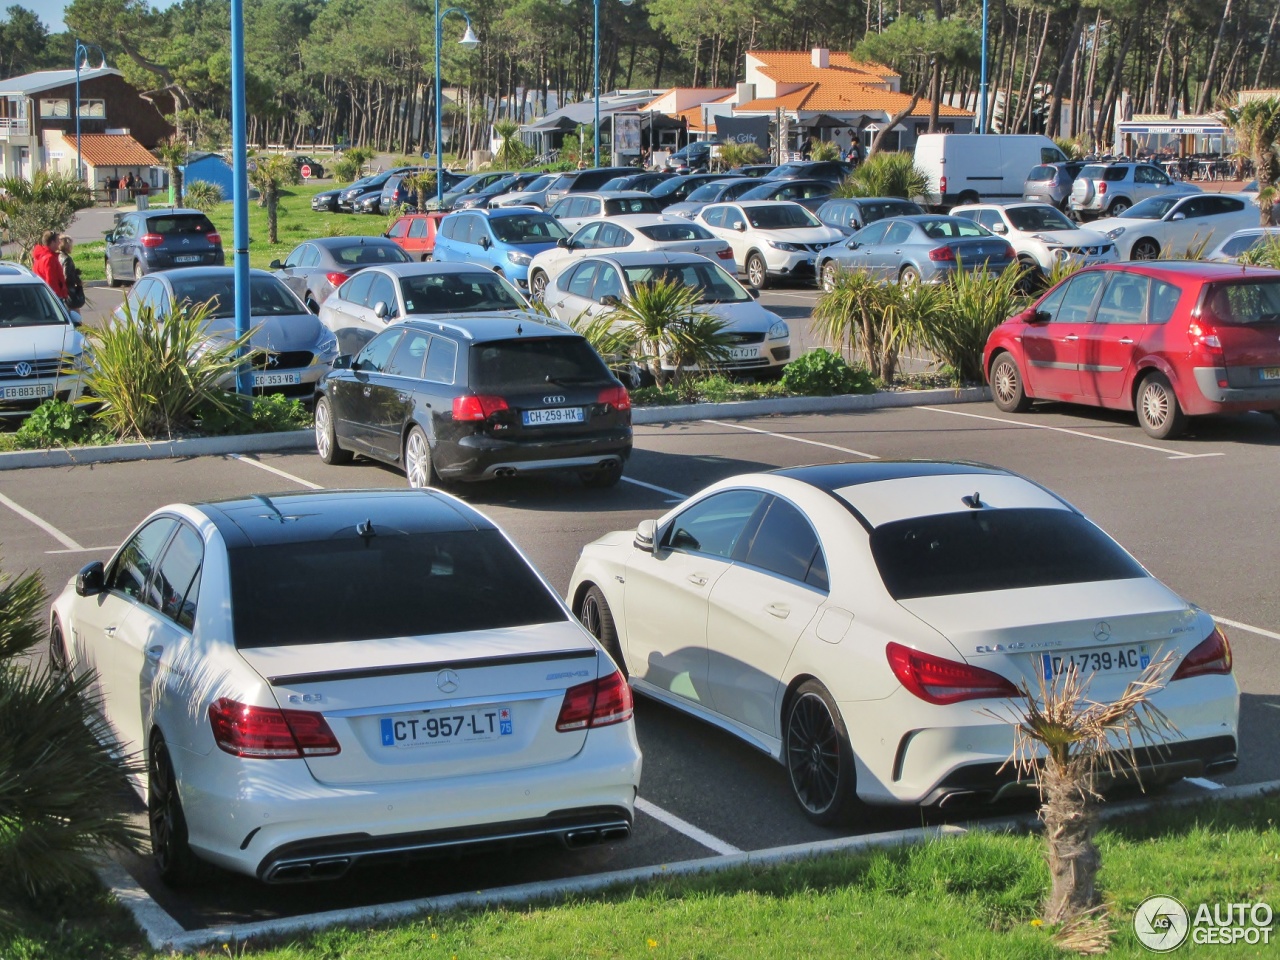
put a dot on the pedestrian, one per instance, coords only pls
(122, 189)
(143, 190)
(75, 283)
(46, 265)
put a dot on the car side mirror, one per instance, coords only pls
(740, 226)
(275, 265)
(1040, 316)
(91, 580)
(342, 362)
(754, 293)
(609, 300)
(486, 243)
(646, 530)
(564, 244)
(853, 244)
(1178, 216)
(381, 310)
(999, 228)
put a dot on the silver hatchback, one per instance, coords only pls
(1051, 183)
(1109, 189)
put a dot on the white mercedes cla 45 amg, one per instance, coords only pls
(317, 680)
(859, 622)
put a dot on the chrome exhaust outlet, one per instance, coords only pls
(577, 839)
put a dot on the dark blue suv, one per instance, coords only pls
(151, 240)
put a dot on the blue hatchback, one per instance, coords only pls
(505, 239)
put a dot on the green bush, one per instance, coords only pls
(973, 305)
(822, 373)
(56, 423)
(153, 377)
(886, 175)
(202, 195)
(345, 169)
(271, 413)
(63, 788)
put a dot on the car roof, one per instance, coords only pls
(18, 278)
(608, 194)
(415, 268)
(494, 325)
(330, 243)
(307, 516)
(639, 258)
(1205, 270)
(638, 219)
(188, 273)
(494, 213)
(164, 212)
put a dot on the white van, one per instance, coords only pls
(976, 168)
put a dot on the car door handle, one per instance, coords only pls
(367, 391)
(558, 305)
(1127, 341)
(779, 610)
(402, 397)
(1071, 337)
(697, 579)
(154, 653)
(109, 631)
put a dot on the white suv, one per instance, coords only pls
(1040, 235)
(1109, 189)
(770, 238)
(40, 348)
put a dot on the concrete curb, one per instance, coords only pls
(305, 439)
(162, 931)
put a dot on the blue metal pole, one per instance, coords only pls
(79, 162)
(240, 185)
(439, 163)
(982, 83)
(595, 157)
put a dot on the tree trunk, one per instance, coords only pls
(1054, 120)
(900, 116)
(1207, 85)
(1070, 822)
(1266, 47)
(270, 196)
(1265, 163)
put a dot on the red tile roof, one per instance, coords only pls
(795, 66)
(112, 150)
(847, 96)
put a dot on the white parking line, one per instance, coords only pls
(677, 496)
(785, 436)
(1244, 626)
(687, 828)
(44, 525)
(1172, 455)
(276, 470)
(85, 550)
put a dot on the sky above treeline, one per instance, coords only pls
(50, 11)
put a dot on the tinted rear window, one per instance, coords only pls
(1244, 304)
(1042, 174)
(676, 231)
(983, 550)
(1115, 174)
(872, 212)
(387, 585)
(177, 226)
(505, 364)
(1093, 172)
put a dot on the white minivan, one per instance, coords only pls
(976, 168)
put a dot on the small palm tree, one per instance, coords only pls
(973, 304)
(63, 787)
(876, 319)
(1257, 129)
(270, 175)
(824, 150)
(738, 155)
(1066, 742)
(886, 175)
(45, 202)
(172, 152)
(663, 327)
(512, 152)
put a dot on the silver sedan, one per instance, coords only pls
(918, 249)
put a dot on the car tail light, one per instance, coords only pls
(616, 397)
(1211, 655)
(942, 681)
(267, 733)
(151, 239)
(337, 279)
(214, 238)
(1204, 335)
(598, 703)
(725, 254)
(474, 407)
(942, 184)
(1102, 188)
(942, 253)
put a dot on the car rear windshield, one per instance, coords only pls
(177, 226)
(986, 549)
(502, 365)
(369, 252)
(676, 231)
(1244, 304)
(528, 228)
(872, 212)
(1093, 172)
(1042, 174)
(473, 292)
(623, 205)
(391, 584)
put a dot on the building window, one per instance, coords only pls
(55, 109)
(93, 109)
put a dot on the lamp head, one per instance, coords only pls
(626, 3)
(469, 39)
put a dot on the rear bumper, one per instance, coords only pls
(1265, 396)
(331, 857)
(483, 457)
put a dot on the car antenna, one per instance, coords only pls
(519, 330)
(974, 502)
(275, 511)
(365, 530)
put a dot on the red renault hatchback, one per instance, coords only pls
(1169, 339)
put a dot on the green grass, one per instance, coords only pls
(970, 897)
(296, 222)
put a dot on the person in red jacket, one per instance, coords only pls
(46, 265)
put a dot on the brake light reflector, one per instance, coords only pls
(938, 254)
(598, 703)
(616, 397)
(475, 407)
(1102, 188)
(1211, 655)
(725, 254)
(938, 680)
(336, 278)
(1205, 336)
(267, 733)
(942, 184)
(151, 239)
(214, 238)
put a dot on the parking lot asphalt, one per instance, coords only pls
(1199, 512)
